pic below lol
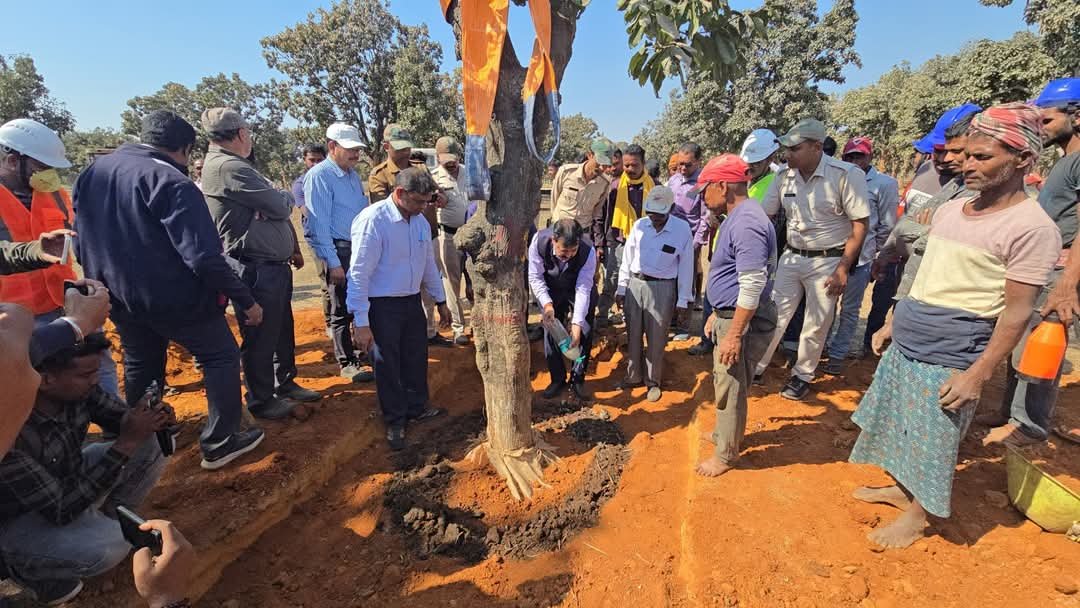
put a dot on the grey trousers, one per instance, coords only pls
(449, 262)
(649, 307)
(1029, 405)
(732, 383)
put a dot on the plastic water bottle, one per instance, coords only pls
(558, 333)
(1044, 351)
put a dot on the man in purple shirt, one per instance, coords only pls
(561, 269)
(688, 206)
(739, 288)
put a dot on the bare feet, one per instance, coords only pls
(1067, 434)
(902, 532)
(891, 495)
(713, 467)
(1008, 434)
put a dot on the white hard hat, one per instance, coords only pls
(759, 145)
(33, 139)
(346, 135)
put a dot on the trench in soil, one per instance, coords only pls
(326, 516)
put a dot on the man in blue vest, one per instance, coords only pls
(562, 266)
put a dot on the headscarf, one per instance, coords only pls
(1016, 125)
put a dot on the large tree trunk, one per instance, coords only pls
(496, 241)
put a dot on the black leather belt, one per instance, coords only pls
(725, 313)
(448, 229)
(835, 252)
(645, 277)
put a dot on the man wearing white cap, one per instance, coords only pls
(333, 197)
(657, 269)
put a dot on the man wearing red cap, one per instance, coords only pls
(739, 289)
(883, 195)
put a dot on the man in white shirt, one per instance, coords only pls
(824, 200)
(392, 259)
(451, 181)
(656, 276)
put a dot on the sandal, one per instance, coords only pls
(1072, 436)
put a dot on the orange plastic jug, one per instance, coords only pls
(1044, 351)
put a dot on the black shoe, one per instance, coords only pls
(553, 390)
(274, 409)
(53, 592)
(240, 443)
(759, 379)
(535, 333)
(395, 436)
(429, 412)
(438, 340)
(579, 391)
(795, 389)
(292, 390)
(834, 367)
(701, 349)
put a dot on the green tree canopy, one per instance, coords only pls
(779, 86)
(357, 62)
(82, 145)
(904, 103)
(23, 94)
(1059, 24)
(576, 133)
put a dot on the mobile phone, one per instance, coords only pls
(165, 437)
(65, 256)
(129, 526)
(83, 289)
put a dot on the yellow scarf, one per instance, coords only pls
(625, 216)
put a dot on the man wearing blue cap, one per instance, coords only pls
(937, 181)
(1026, 407)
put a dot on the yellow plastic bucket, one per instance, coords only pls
(1041, 498)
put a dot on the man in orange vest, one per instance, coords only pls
(32, 203)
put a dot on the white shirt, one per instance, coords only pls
(819, 210)
(391, 257)
(668, 254)
(582, 288)
(453, 215)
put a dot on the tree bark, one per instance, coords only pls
(496, 241)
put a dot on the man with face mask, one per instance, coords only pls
(34, 203)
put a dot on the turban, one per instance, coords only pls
(1016, 125)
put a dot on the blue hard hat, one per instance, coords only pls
(948, 119)
(1059, 92)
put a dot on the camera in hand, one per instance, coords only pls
(165, 437)
(129, 526)
(83, 289)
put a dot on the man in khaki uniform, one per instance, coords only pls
(825, 202)
(398, 144)
(450, 178)
(579, 190)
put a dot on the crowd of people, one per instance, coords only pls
(777, 242)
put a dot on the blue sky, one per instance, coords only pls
(95, 55)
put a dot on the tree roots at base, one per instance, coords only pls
(521, 468)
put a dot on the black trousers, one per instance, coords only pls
(340, 319)
(268, 350)
(556, 362)
(211, 343)
(884, 292)
(400, 357)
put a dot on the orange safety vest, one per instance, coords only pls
(40, 291)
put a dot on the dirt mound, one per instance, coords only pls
(422, 505)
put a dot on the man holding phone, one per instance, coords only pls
(52, 533)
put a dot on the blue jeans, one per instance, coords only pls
(36, 549)
(848, 319)
(108, 379)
